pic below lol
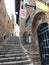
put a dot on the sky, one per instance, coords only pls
(10, 7)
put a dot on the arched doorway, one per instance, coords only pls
(43, 37)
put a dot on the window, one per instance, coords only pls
(26, 1)
(28, 22)
(25, 37)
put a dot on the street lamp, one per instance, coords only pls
(40, 5)
(30, 5)
(17, 9)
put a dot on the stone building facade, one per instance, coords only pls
(34, 32)
(6, 24)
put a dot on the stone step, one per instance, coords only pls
(13, 55)
(16, 62)
(13, 51)
(14, 48)
(5, 52)
(10, 47)
(17, 50)
(7, 49)
(24, 56)
(14, 43)
(14, 58)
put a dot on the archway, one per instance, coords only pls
(39, 18)
(43, 38)
(40, 25)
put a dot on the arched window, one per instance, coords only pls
(28, 22)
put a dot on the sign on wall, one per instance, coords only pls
(29, 39)
(42, 6)
(22, 13)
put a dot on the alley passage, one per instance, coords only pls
(12, 52)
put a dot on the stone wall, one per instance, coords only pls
(6, 24)
(35, 19)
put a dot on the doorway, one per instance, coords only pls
(43, 38)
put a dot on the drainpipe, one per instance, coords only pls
(17, 9)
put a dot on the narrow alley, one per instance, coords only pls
(12, 52)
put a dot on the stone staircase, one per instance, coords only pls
(13, 53)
